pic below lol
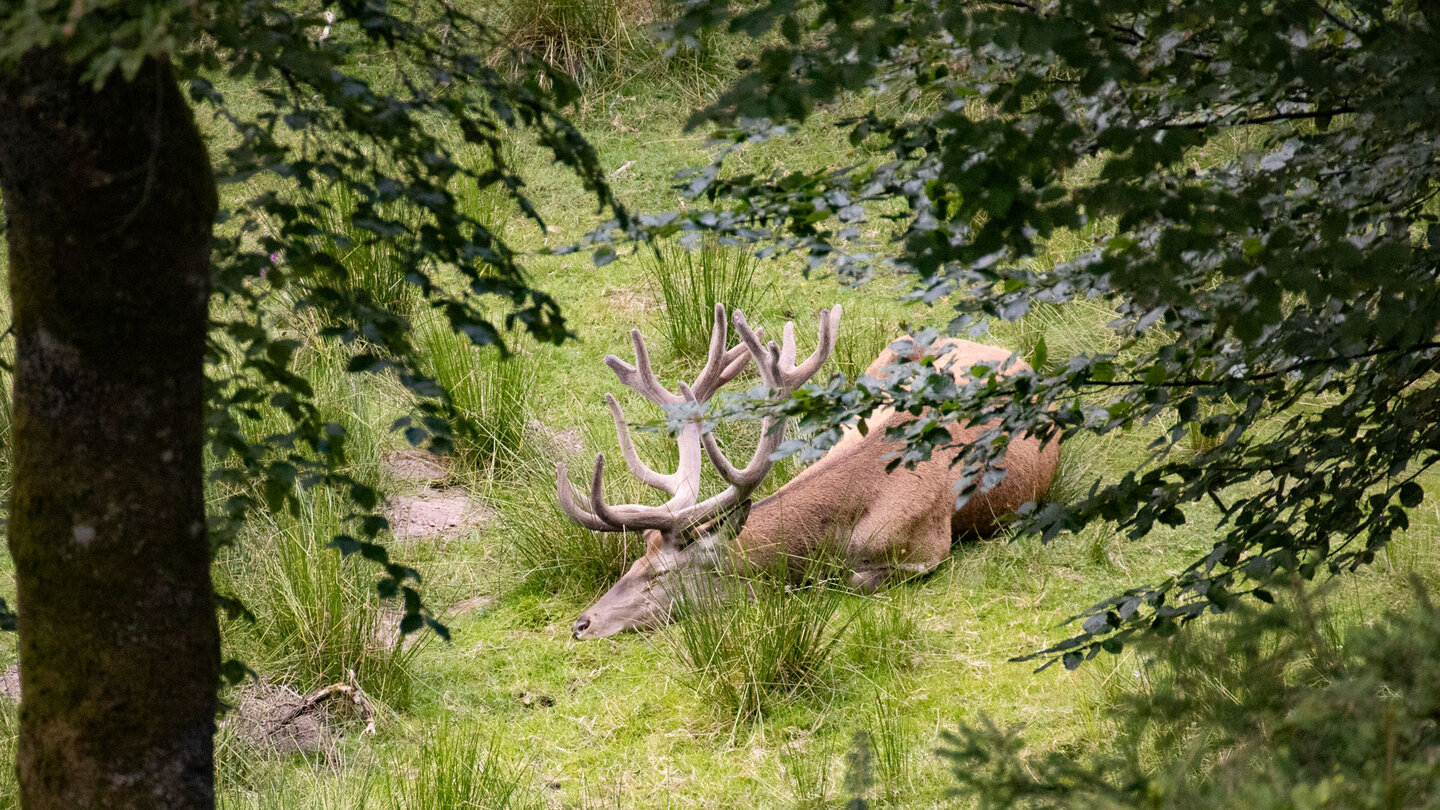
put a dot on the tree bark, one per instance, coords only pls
(110, 201)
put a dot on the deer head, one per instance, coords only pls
(686, 539)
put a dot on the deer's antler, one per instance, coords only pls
(721, 366)
(779, 372)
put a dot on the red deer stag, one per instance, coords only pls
(884, 526)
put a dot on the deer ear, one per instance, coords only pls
(727, 526)
(730, 523)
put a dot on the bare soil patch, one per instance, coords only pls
(278, 720)
(414, 466)
(10, 684)
(442, 513)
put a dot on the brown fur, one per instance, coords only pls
(903, 522)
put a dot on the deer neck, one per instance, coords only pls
(809, 511)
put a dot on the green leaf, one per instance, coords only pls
(1411, 494)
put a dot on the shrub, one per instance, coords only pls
(692, 282)
(1269, 709)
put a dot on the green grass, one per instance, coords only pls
(749, 644)
(368, 269)
(579, 37)
(458, 769)
(490, 395)
(691, 282)
(552, 553)
(319, 620)
(636, 721)
(9, 729)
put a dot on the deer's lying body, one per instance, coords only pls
(882, 526)
(897, 524)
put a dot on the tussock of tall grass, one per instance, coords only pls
(318, 617)
(691, 282)
(1068, 329)
(1083, 460)
(458, 769)
(890, 737)
(271, 784)
(861, 340)
(809, 767)
(579, 37)
(490, 395)
(749, 643)
(369, 268)
(7, 421)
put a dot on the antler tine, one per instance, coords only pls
(566, 495)
(787, 343)
(640, 376)
(721, 365)
(792, 376)
(766, 358)
(778, 370)
(772, 434)
(742, 482)
(716, 359)
(633, 516)
(665, 483)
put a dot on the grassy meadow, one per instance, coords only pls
(768, 703)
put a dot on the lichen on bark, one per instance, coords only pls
(110, 202)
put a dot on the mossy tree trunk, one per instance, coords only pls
(110, 201)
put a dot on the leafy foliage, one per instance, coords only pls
(366, 214)
(1263, 175)
(1274, 713)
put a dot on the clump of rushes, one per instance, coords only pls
(369, 267)
(862, 340)
(885, 636)
(692, 282)
(743, 656)
(459, 767)
(318, 617)
(489, 394)
(579, 37)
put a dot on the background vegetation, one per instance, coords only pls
(807, 698)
